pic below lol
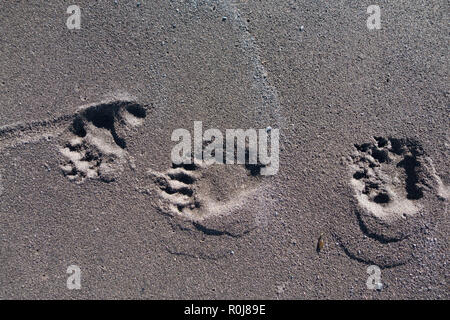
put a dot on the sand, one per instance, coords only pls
(86, 176)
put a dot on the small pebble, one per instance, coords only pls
(224, 18)
(302, 28)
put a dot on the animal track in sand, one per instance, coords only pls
(94, 137)
(209, 206)
(392, 180)
(95, 148)
(197, 191)
(389, 177)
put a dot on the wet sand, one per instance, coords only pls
(86, 176)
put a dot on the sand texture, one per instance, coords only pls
(87, 178)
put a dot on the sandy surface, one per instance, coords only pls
(84, 179)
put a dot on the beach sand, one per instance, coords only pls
(86, 176)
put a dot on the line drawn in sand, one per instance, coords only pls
(390, 179)
(94, 147)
